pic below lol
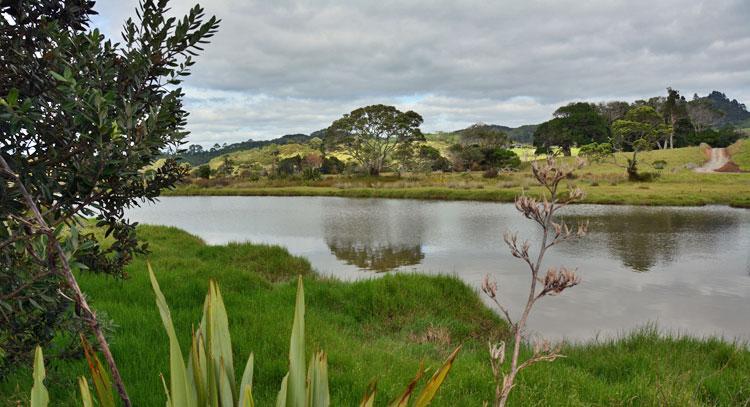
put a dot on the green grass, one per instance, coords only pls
(605, 183)
(374, 329)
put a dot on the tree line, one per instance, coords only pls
(662, 122)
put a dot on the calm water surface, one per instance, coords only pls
(686, 269)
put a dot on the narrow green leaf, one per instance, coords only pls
(179, 393)
(296, 386)
(219, 341)
(403, 399)
(433, 385)
(197, 368)
(85, 393)
(247, 379)
(225, 389)
(281, 397)
(247, 397)
(100, 377)
(368, 400)
(39, 395)
(317, 381)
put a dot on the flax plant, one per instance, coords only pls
(556, 279)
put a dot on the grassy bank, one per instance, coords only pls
(374, 329)
(604, 182)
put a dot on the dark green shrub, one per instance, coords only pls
(204, 171)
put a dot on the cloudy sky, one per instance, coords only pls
(278, 67)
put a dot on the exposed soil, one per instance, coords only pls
(719, 161)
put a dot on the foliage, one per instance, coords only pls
(483, 136)
(204, 171)
(332, 165)
(675, 112)
(722, 137)
(311, 174)
(207, 379)
(80, 118)
(574, 124)
(733, 112)
(371, 134)
(641, 128)
(702, 114)
(475, 157)
(596, 151)
(289, 165)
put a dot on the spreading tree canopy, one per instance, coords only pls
(574, 124)
(371, 134)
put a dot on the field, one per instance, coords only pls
(375, 329)
(604, 183)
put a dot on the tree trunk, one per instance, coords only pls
(633, 168)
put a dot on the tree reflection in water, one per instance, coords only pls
(380, 243)
(643, 237)
(375, 258)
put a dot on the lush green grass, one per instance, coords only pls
(374, 329)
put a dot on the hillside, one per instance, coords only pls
(195, 155)
(735, 113)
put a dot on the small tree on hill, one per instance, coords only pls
(641, 129)
(371, 134)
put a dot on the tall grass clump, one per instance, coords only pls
(207, 379)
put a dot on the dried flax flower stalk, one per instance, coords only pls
(549, 174)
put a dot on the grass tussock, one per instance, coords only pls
(379, 328)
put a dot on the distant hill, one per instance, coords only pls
(735, 113)
(195, 156)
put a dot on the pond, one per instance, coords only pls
(685, 269)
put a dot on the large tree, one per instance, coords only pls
(80, 119)
(574, 124)
(484, 136)
(371, 134)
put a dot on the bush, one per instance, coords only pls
(332, 165)
(311, 174)
(204, 171)
(722, 137)
(490, 173)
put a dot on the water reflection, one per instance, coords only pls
(375, 258)
(643, 238)
(373, 243)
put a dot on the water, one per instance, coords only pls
(686, 269)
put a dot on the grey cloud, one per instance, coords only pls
(299, 64)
